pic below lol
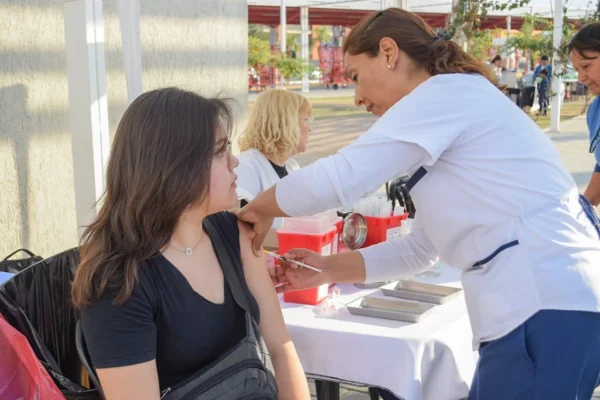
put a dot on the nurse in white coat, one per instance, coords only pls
(277, 129)
(492, 198)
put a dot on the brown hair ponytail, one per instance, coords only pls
(434, 53)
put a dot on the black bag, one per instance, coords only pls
(16, 266)
(245, 371)
(37, 302)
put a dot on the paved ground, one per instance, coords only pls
(573, 144)
(330, 134)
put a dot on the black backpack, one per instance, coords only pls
(37, 303)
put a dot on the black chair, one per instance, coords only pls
(526, 96)
(14, 266)
(37, 302)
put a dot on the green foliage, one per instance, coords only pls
(535, 36)
(467, 14)
(292, 42)
(595, 15)
(259, 51)
(291, 67)
(480, 44)
(258, 31)
(323, 34)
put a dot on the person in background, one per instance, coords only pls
(584, 52)
(543, 66)
(496, 65)
(277, 129)
(497, 61)
(543, 92)
(156, 306)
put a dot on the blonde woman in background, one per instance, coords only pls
(277, 129)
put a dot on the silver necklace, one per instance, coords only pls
(188, 251)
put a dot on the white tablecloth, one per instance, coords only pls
(428, 360)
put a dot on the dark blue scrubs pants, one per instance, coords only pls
(553, 355)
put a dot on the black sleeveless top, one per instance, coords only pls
(166, 320)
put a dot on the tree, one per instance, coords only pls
(259, 52)
(323, 34)
(258, 31)
(535, 36)
(291, 67)
(292, 42)
(466, 17)
(480, 44)
(595, 15)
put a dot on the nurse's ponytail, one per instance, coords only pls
(430, 51)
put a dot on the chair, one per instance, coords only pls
(37, 302)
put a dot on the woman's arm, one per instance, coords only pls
(398, 258)
(133, 382)
(414, 132)
(289, 374)
(331, 182)
(592, 192)
(121, 341)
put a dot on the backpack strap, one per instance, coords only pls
(227, 262)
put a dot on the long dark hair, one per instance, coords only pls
(587, 39)
(429, 51)
(159, 166)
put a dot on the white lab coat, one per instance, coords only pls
(493, 200)
(256, 174)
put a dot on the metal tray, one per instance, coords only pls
(389, 309)
(436, 294)
(374, 285)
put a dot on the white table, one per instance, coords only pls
(429, 360)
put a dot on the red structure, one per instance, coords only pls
(269, 15)
(263, 77)
(331, 64)
(330, 58)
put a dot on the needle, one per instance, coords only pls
(292, 261)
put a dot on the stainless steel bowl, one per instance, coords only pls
(354, 233)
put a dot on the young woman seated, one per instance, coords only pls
(155, 305)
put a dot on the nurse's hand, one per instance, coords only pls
(260, 213)
(297, 277)
(260, 224)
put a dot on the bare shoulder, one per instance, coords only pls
(246, 236)
(255, 267)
